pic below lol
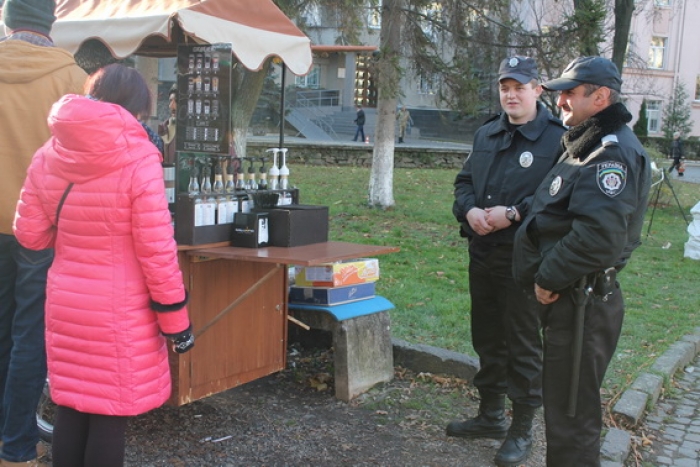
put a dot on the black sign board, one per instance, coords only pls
(204, 98)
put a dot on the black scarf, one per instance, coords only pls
(580, 140)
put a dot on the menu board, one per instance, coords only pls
(204, 98)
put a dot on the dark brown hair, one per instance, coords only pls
(120, 85)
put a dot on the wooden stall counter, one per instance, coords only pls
(238, 307)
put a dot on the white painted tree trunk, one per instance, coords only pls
(381, 181)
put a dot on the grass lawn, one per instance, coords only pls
(427, 279)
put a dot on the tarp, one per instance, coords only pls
(256, 29)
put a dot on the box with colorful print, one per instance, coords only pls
(351, 272)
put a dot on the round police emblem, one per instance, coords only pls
(555, 186)
(513, 62)
(526, 159)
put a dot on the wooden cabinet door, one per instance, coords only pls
(247, 342)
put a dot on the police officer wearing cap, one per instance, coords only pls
(512, 152)
(584, 222)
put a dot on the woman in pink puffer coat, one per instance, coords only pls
(115, 290)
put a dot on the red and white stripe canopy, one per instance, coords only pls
(256, 29)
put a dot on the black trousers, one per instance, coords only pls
(505, 329)
(675, 165)
(88, 440)
(575, 441)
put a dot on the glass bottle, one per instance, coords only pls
(218, 186)
(206, 180)
(193, 187)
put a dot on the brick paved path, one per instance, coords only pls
(675, 422)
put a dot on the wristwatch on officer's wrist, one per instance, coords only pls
(511, 212)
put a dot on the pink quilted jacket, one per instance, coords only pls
(115, 259)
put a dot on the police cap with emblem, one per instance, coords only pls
(591, 70)
(521, 69)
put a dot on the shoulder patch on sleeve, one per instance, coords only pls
(612, 177)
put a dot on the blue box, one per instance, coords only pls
(331, 295)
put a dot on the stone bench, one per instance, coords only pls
(363, 354)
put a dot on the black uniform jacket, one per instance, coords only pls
(505, 168)
(587, 214)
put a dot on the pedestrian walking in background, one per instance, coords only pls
(677, 153)
(94, 192)
(405, 121)
(360, 122)
(512, 152)
(585, 220)
(34, 75)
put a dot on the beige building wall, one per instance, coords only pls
(664, 50)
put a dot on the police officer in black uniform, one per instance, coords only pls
(584, 222)
(512, 153)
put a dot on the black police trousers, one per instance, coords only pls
(575, 441)
(505, 329)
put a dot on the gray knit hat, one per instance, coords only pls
(34, 15)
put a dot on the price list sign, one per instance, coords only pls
(204, 98)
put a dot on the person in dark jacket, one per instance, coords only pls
(676, 153)
(512, 153)
(584, 222)
(360, 122)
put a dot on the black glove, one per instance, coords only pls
(183, 341)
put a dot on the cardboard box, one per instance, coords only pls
(297, 225)
(331, 295)
(250, 230)
(350, 272)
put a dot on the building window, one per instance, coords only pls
(374, 18)
(662, 2)
(654, 116)
(657, 51)
(428, 83)
(433, 15)
(697, 88)
(311, 15)
(310, 81)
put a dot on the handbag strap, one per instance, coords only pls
(63, 199)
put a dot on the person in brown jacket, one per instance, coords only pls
(34, 75)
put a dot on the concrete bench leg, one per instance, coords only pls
(363, 354)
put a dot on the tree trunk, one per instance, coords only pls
(381, 182)
(623, 21)
(247, 86)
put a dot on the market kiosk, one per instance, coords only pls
(238, 294)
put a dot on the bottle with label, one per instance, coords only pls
(231, 208)
(198, 212)
(210, 211)
(222, 210)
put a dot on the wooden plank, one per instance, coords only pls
(307, 255)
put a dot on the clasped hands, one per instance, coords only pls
(489, 220)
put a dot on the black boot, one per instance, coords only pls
(490, 423)
(518, 444)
